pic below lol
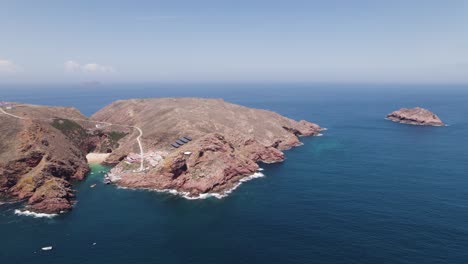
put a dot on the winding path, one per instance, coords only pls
(12, 115)
(142, 155)
(138, 139)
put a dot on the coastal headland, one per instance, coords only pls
(193, 146)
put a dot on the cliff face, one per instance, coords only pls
(415, 116)
(37, 160)
(227, 142)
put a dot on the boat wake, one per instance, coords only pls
(33, 214)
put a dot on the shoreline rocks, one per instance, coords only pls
(415, 116)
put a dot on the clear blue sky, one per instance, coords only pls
(239, 40)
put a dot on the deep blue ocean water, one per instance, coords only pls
(368, 191)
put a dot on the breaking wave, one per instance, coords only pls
(33, 214)
(202, 196)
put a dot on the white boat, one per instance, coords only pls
(47, 248)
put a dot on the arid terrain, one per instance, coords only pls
(227, 141)
(191, 145)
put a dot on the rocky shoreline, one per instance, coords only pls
(44, 148)
(212, 164)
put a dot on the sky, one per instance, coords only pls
(411, 41)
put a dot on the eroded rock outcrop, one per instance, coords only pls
(415, 116)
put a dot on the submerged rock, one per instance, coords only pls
(415, 116)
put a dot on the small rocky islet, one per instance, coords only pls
(191, 145)
(415, 116)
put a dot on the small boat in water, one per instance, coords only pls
(107, 179)
(47, 248)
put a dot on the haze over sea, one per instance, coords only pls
(367, 191)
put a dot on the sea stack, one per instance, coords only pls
(415, 116)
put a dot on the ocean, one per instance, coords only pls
(367, 191)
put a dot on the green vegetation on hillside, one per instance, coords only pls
(68, 127)
(73, 131)
(114, 138)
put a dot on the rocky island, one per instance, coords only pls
(192, 146)
(415, 116)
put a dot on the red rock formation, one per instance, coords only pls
(228, 141)
(211, 164)
(415, 116)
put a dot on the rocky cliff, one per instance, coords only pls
(43, 149)
(415, 116)
(227, 142)
(37, 159)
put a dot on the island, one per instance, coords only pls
(191, 146)
(415, 116)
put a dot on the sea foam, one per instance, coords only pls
(186, 195)
(33, 214)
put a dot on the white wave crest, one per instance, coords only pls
(227, 192)
(33, 214)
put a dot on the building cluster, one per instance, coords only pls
(6, 105)
(153, 158)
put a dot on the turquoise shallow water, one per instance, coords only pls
(368, 191)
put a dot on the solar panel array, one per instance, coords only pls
(181, 141)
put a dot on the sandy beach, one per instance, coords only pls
(94, 158)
